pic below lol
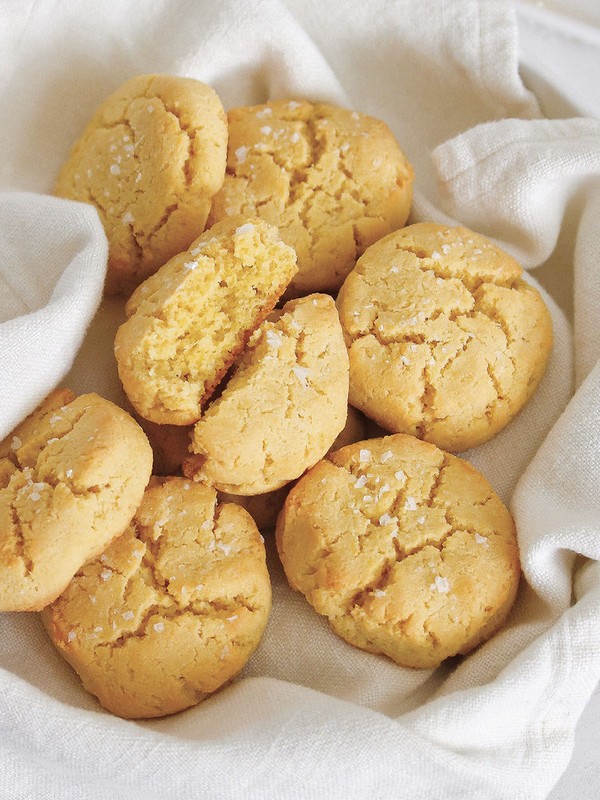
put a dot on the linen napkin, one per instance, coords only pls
(312, 717)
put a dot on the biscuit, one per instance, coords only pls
(71, 476)
(405, 549)
(189, 321)
(446, 340)
(283, 406)
(332, 180)
(264, 508)
(172, 610)
(149, 160)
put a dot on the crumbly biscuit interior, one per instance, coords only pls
(189, 320)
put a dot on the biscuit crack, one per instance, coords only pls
(427, 403)
(471, 282)
(187, 172)
(378, 585)
(401, 551)
(456, 328)
(436, 483)
(21, 551)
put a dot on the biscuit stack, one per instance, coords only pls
(231, 236)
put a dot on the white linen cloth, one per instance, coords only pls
(312, 717)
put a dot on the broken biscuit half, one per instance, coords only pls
(283, 406)
(191, 319)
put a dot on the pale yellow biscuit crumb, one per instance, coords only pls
(189, 321)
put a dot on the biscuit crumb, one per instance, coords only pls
(188, 323)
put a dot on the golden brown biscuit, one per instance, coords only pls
(446, 340)
(170, 445)
(283, 406)
(189, 321)
(149, 160)
(405, 549)
(71, 476)
(264, 508)
(332, 180)
(172, 610)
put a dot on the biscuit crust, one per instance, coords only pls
(404, 548)
(172, 610)
(149, 160)
(446, 340)
(71, 476)
(264, 508)
(332, 180)
(283, 406)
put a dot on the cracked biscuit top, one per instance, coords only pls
(71, 476)
(446, 340)
(172, 610)
(149, 160)
(332, 180)
(405, 549)
(189, 321)
(264, 508)
(283, 406)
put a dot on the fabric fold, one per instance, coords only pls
(52, 264)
